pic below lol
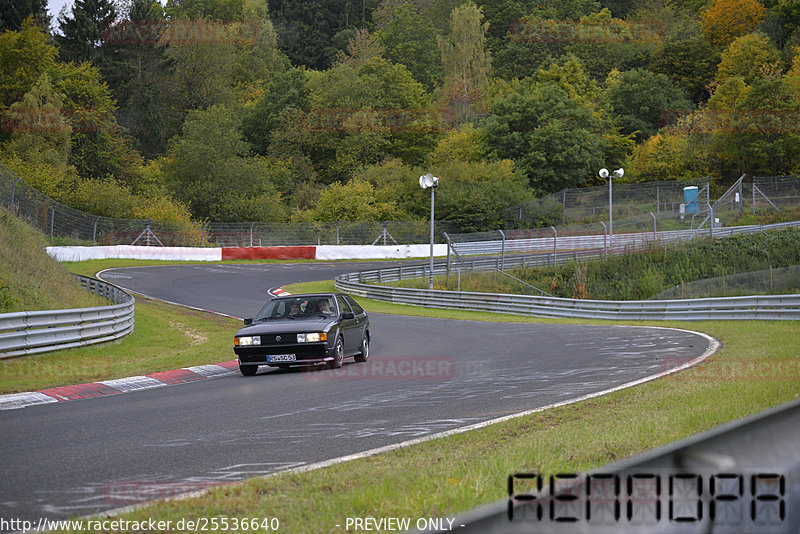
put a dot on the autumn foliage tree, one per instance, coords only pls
(725, 20)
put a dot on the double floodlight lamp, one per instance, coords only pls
(617, 174)
(428, 180)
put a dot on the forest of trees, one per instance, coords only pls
(321, 110)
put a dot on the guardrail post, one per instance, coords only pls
(711, 218)
(251, 233)
(555, 248)
(503, 251)
(447, 238)
(655, 233)
(13, 190)
(605, 244)
(94, 231)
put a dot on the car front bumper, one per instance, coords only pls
(305, 354)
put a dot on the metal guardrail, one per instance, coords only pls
(766, 307)
(747, 471)
(34, 332)
(763, 307)
(619, 244)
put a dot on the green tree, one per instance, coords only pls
(410, 39)
(286, 89)
(789, 12)
(668, 155)
(690, 64)
(361, 116)
(355, 200)
(517, 51)
(552, 131)
(13, 13)
(210, 168)
(641, 100)
(475, 195)
(604, 43)
(465, 143)
(306, 28)
(751, 57)
(141, 82)
(41, 133)
(24, 56)
(467, 63)
(83, 31)
(97, 148)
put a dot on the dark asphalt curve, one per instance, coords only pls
(424, 376)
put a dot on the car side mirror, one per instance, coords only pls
(348, 315)
(248, 321)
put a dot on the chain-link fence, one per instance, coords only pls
(780, 281)
(583, 205)
(638, 208)
(775, 192)
(65, 225)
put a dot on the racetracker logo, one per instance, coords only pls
(746, 369)
(378, 120)
(181, 32)
(44, 120)
(401, 368)
(752, 121)
(593, 32)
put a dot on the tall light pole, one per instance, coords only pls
(430, 181)
(604, 174)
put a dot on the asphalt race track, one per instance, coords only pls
(424, 376)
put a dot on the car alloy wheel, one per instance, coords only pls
(338, 355)
(362, 357)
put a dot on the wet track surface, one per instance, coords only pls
(424, 376)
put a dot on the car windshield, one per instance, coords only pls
(295, 307)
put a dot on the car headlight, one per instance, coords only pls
(312, 337)
(245, 341)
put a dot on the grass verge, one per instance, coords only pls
(757, 367)
(29, 278)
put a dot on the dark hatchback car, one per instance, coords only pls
(312, 329)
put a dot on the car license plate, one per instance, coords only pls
(282, 358)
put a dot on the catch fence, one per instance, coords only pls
(638, 208)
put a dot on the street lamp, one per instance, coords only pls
(430, 181)
(604, 174)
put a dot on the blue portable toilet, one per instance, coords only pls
(690, 197)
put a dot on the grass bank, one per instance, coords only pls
(29, 278)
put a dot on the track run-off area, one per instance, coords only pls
(425, 376)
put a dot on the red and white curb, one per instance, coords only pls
(116, 386)
(278, 292)
(102, 388)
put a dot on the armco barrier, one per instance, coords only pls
(619, 244)
(34, 332)
(765, 307)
